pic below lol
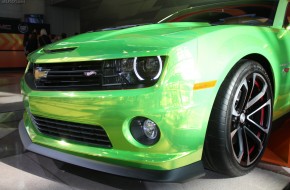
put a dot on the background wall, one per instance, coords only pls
(61, 19)
(95, 14)
(11, 10)
(108, 13)
(72, 16)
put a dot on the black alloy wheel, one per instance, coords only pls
(240, 121)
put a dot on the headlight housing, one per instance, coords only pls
(134, 71)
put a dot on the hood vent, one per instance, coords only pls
(61, 50)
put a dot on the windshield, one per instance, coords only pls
(231, 12)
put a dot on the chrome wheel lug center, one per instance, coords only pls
(242, 118)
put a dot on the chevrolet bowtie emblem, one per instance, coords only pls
(38, 73)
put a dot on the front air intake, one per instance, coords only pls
(83, 133)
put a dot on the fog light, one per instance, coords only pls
(145, 131)
(150, 129)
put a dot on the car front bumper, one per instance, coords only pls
(177, 175)
(181, 114)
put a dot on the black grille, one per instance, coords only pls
(89, 134)
(79, 76)
(73, 75)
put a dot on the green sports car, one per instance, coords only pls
(162, 101)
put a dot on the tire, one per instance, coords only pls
(240, 121)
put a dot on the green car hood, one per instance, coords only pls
(123, 43)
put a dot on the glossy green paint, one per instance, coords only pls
(195, 52)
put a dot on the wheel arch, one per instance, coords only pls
(266, 65)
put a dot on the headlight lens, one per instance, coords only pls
(150, 129)
(148, 68)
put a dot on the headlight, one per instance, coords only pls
(148, 68)
(133, 71)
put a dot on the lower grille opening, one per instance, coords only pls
(89, 134)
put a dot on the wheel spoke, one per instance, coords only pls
(259, 95)
(247, 147)
(241, 146)
(254, 137)
(233, 133)
(265, 130)
(243, 99)
(240, 155)
(257, 141)
(240, 98)
(252, 87)
(235, 113)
